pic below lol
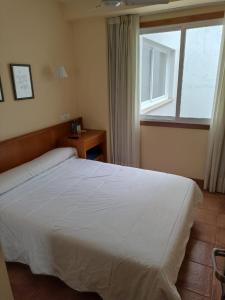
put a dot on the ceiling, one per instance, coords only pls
(77, 9)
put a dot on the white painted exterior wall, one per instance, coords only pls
(200, 71)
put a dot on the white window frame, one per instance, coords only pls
(183, 29)
(152, 102)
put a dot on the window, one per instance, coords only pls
(178, 71)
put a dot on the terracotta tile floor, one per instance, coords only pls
(195, 281)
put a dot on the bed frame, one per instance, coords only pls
(19, 150)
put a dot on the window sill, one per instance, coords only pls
(175, 123)
(145, 109)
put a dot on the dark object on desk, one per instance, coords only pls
(76, 127)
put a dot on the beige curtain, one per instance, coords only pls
(215, 169)
(123, 89)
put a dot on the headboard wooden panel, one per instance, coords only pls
(19, 150)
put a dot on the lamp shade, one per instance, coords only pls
(61, 72)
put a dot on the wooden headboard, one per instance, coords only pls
(19, 150)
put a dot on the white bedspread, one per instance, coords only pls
(117, 231)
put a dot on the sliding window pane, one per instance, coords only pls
(200, 71)
(159, 65)
(146, 69)
(159, 74)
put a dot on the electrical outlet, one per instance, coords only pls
(65, 117)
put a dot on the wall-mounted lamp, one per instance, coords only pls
(61, 73)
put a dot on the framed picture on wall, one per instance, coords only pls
(22, 81)
(1, 92)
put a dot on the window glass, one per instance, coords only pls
(202, 51)
(159, 78)
(159, 74)
(146, 62)
(178, 70)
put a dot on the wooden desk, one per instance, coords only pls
(88, 143)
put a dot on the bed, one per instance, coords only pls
(117, 231)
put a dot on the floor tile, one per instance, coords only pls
(188, 295)
(51, 288)
(196, 278)
(64, 294)
(207, 216)
(26, 286)
(220, 237)
(213, 202)
(204, 232)
(221, 220)
(221, 199)
(200, 252)
(220, 262)
(19, 273)
(216, 290)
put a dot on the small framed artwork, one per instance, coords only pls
(1, 92)
(22, 81)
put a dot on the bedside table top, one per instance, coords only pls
(90, 133)
(88, 140)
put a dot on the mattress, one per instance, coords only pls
(117, 231)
